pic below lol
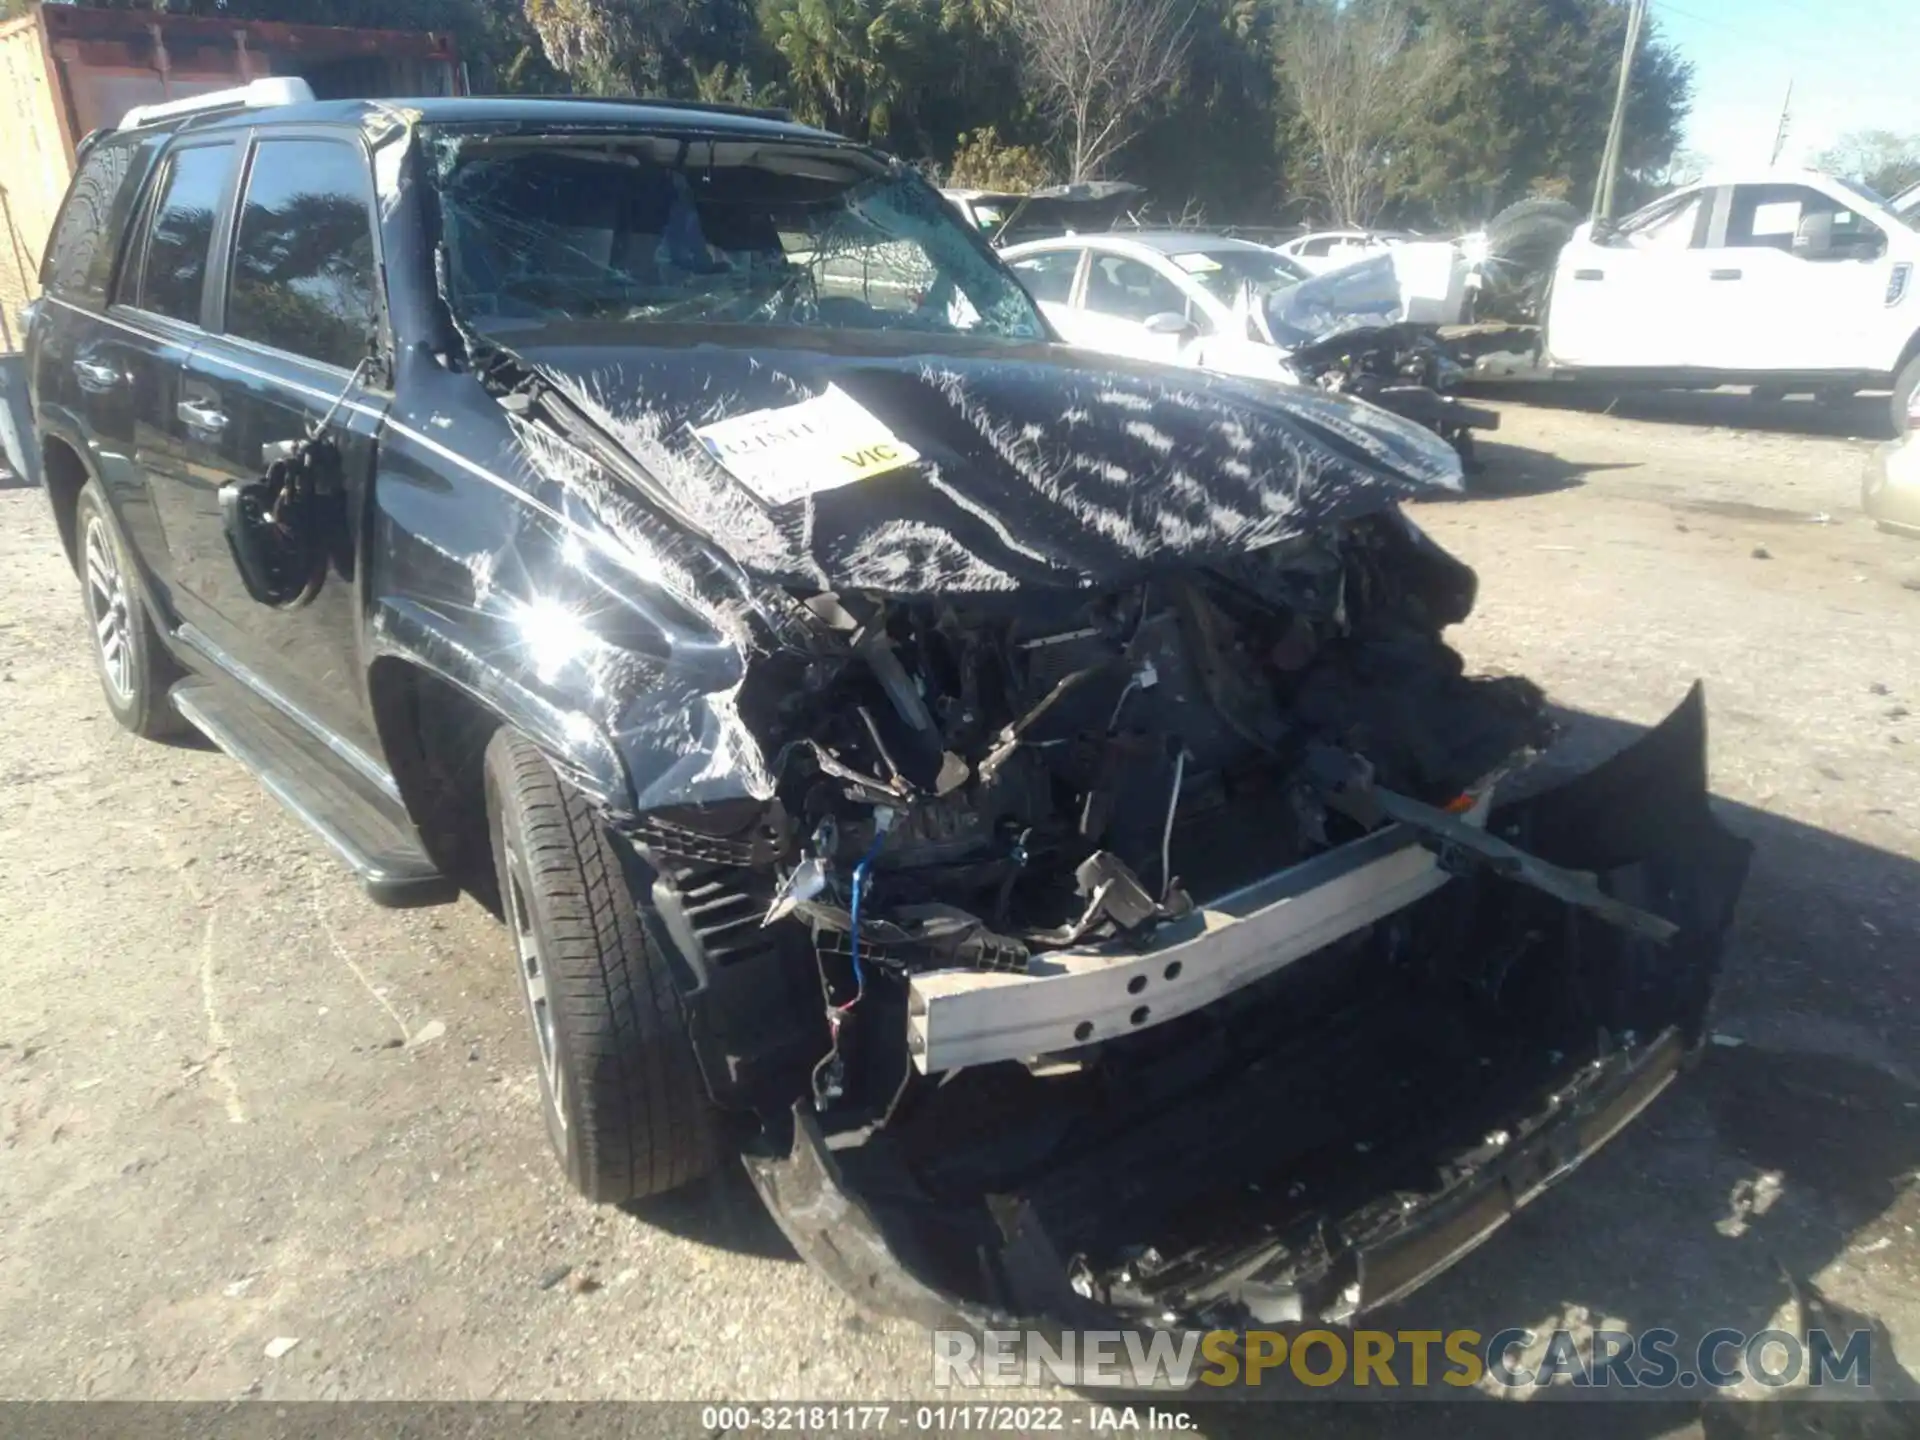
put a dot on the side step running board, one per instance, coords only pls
(360, 825)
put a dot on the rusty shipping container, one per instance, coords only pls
(68, 69)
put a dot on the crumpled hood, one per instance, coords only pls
(914, 464)
(1419, 283)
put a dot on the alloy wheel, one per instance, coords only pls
(109, 611)
(533, 979)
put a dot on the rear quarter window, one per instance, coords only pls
(173, 267)
(87, 236)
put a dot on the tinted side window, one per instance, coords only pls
(1049, 277)
(174, 271)
(303, 272)
(85, 239)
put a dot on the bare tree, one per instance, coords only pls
(1357, 72)
(1097, 63)
(1883, 160)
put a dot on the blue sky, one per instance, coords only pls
(1855, 65)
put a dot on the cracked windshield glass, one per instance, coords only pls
(657, 232)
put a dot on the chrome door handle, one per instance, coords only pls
(1723, 275)
(1589, 274)
(96, 375)
(201, 417)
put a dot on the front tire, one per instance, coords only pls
(134, 666)
(626, 1107)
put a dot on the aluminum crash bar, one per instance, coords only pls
(1071, 998)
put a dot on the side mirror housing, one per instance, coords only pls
(1167, 322)
(1813, 236)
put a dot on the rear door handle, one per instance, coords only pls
(1589, 274)
(201, 417)
(95, 376)
(1723, 275)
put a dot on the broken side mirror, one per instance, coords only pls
(1170, 322)
(277, 526)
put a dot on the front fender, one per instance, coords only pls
(502, 573)
(454, 650)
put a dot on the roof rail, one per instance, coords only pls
(258, 95)
(661, 102)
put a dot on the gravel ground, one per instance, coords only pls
(239, 1104)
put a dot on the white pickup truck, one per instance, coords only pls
(1783, 280)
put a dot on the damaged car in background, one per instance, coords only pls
(1021, 799)
(1369, 328)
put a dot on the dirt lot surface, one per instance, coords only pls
(239, 1103)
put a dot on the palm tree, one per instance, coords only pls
(852, 64)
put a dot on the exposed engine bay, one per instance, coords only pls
(975, 783)
(976, 797)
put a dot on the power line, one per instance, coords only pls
(1791, 49)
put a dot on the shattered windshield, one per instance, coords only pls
(664, 230)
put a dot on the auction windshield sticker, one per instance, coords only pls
(796, 451)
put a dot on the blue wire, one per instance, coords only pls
(859, 887)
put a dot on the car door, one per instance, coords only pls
(1049, 277)
(1795, 279)
(1624, 301)
(287, 357)
(158, 319)
(84, 367)
(1119, 299)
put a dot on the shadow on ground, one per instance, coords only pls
(723, 1210)
(1502, 471)
(1863, 417)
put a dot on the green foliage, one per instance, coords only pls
(981, 162)
(853, 65)
(1885, 161)
(1523, 110)
(1210, 149)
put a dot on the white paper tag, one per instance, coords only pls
(1196, 262)
(806, 449)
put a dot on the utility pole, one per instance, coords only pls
(1780, 135)
(1610, 157)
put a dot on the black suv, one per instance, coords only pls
(1019, 799)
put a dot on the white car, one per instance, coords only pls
(1210, 301)
(1323, 250)
(1783, 279)
(1158, 295)
(1242, 309)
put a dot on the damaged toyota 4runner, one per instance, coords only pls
(1020, 799)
